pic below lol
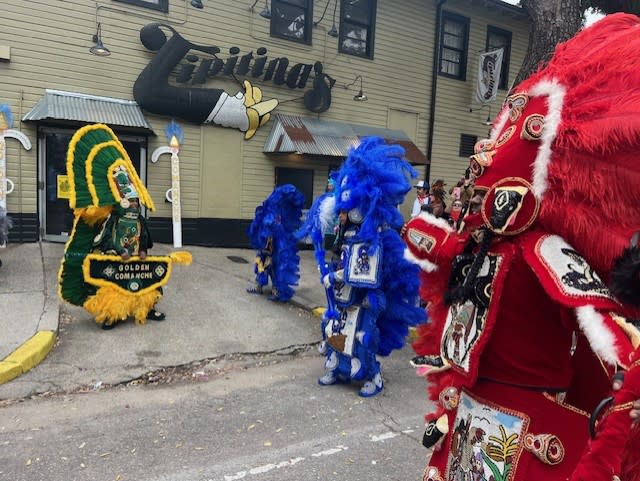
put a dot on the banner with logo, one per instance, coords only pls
(489, 67)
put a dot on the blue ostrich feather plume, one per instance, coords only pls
(278, 218)
(374, 178)
(400, 283)
(174, 129)
(8, 116)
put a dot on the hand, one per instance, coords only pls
(125, 255)
(143, 255)
(257, 111)
(618, 381)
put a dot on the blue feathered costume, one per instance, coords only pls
(372, 287)
(272, 235)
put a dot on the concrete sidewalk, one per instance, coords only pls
(209, 314)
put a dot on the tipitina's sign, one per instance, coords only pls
(246, 110)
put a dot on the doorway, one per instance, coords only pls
(56, 218)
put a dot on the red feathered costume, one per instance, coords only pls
(525, 336)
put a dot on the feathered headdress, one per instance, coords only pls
(276, 220)
(572, 130)
(372, 183)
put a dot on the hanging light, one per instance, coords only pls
(360, 96)
(334, 31)
(99, 49)
(266, 13)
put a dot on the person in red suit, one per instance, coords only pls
(526, 338)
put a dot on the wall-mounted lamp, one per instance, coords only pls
(99, 49)
(360, 96)
(197, 4)
(266, 13)
(334, 31)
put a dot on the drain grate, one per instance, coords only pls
(238, 260)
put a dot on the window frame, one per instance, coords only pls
(506, 55)
(308, 22)
(465, 22)
(161, 6)
(371, 30)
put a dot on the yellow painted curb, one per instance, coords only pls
(318, 311)
(27, 356)
(9, 371)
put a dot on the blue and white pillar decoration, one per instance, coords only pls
(175, 136)
(6, 122)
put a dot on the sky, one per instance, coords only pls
(590, 15)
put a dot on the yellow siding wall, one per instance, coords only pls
(49, 42)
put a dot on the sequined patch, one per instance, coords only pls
(486, 441)
(465, 322)
(532, 127)
(504, 136)
(546, 447)
(516, 104)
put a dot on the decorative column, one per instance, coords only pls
(175, 137)
(6, 122)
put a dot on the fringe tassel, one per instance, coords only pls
(181, 257)
(111, 304)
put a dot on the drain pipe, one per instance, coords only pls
(434, 85)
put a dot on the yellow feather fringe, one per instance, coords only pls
(110, 304)
(93, 215)
(181, 257)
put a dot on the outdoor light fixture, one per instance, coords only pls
(266, 13)
(334, 31)
(360, 97)
(99, 49)
(197, 4)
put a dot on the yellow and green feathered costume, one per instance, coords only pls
(102, 180)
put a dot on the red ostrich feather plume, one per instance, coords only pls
(589, 174)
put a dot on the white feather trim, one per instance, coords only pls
(327, 212)
(437, 221)
(424, 264)
(555, 93)
(499, 123)
(601, 339)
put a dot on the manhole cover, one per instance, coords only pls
(238, 260)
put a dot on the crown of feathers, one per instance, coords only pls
(279, 213)
(97, 165)
(374, 179)
(586, 168)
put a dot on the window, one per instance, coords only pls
(357, 22)
(454, 37)
(162, 5)
(291, 19)
(467, 142)
(498, 38)
(301, 179)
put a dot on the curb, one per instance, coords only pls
(27, 356)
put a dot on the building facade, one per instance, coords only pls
(338, 70)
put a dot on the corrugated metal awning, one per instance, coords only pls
(293, 134)
(70, 106)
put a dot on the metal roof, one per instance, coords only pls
(60, 105)
(293, 134)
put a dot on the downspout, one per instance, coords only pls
(434, 85)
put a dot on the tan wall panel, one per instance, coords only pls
(221, 182)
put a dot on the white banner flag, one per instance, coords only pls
(489, 68)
